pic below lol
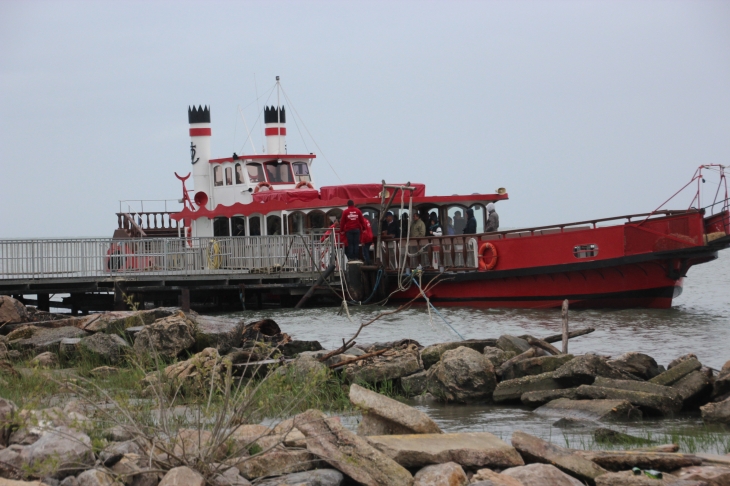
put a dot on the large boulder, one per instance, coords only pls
(469, 449)
(105, 347)
(462, 375)
(510, 391)
(512, 343)
(95, 477)
(167, 337)
(721, 388)
(58, 452)
(447, 474)
(217, 332)
(415, 384)
(182, 476)
(541, 475)
(46, 339)
(316, 477)
(538, 398)
(391, 365)
(717, 412)
(713, 475)
(638, 364)
(432, 354)
(383, 415)
(12, 311)
(596, 410)
(676, 373)
(535, 366)
(276, 462)
(649, 403)
(534, 449)
(497, 356)
(694, 389)
(639, 386)
(198, 370)
(583, 370)
(345, 451)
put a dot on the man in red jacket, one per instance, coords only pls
(351, 224)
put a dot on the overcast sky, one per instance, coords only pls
(580, 109)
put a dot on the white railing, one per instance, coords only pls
(101, 257)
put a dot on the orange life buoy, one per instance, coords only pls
(260, 185)
(301, 184)
(484, 251)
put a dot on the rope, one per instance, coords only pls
(431, 306)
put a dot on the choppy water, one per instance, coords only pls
(699, 322)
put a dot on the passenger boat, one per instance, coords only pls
(638, 260)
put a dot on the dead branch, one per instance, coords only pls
(540, 343)
(358, 358)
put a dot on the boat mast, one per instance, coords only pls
(278, 115)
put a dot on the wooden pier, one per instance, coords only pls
(104, 274)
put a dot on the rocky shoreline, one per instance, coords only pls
(80, 442)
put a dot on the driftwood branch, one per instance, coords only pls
(559, 337)
(542, 344)
(358, 358)
(530, 353)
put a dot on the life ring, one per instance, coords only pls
(484, 250)
(260, 185)
(301, 184)
(214, 255)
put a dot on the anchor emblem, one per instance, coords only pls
(192, 153)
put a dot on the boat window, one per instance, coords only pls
(254, 225)
(371, 215)
(296, 223)
(479, 214)
(333, 213)
(239, 174)
(585, 251)
(458, 218)
(255, 173)
(221, 227)
(316, 220)
(217, 175)
(273, 225)
(301, 172)
(229, 176)
(279, 173)
(238, 225)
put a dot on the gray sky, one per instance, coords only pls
(580, 109)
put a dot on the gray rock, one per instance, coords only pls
(694, 389)
(638, 364)
(583, 370)
(106, 347)
(59, 452)
(447, 474)
(510, 391)
(231, 477)
(430, 355)
(383, 415)
(167, 337)
(462, 375)
(276, 462)
(46, 339)
(535, 366)
(182, 476)
(354, 351)
(415, 384)
(389, 366)
(69, 346)
(12, 311)
(596, 410)
(94, 477)
(217, 332)
(69, 481)
(293, 348)
(469, 449)
(497, 356)
(512, 343)
(539, 398)
(10, 458)
(676, 373)
(541, 475)
(722, 383)
(45, 360)
(682, 358)
(718, 412)
(639, 386)
(304, 365)
(649, 403)
(316, 477)
(7, 412)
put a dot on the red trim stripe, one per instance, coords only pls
(200, 132)
(272, 131)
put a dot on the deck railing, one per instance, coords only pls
(100, 257)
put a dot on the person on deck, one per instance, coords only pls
(435, 228)
(366, 239)
(418, 227)
(471, 223)
(459, 223)
(352, 224)
(492, 218)
(404, 224)
(390, 227)
(449, 226)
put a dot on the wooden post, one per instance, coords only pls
(566, 331)
(44, 302)
(185, 299)
(119, 304)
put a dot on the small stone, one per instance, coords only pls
(718, 412)
(182, 476)
(447, 474)
(44, 360)
(94, 477)
(487, 477)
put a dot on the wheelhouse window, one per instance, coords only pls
(301, 172)
(279, 173)
(316, 219)
(229, 176)
(255, 173)
(296, 223)
(238, 226)
(254, 225)
(585, 251)
(217, 175)
(221, 227)
(239, 174)
(479, 215)
(273, 225)
(458, 218)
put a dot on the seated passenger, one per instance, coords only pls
(492, 218)
(418, 227)
(435, 228)
(471, 223)
(390, 226)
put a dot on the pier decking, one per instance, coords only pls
(101, 273)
